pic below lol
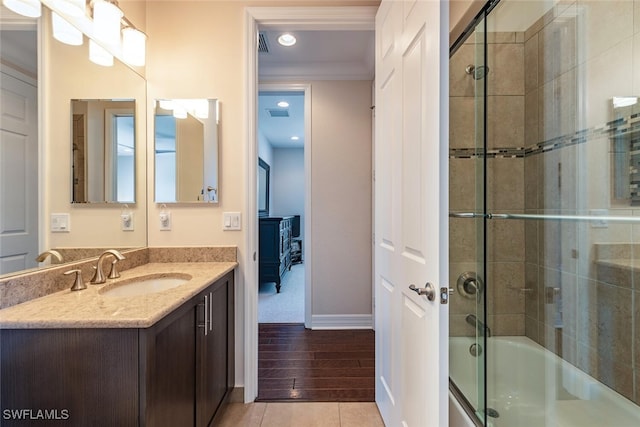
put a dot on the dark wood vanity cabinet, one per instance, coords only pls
(171, 374)
(275, 249)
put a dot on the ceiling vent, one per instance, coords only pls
(278, 112)
(263, 46)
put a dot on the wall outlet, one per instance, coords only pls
(231, 221)
(126, 220)
(60, 222)
(165, 221)
(598, 222)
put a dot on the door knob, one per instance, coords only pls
(429, 291)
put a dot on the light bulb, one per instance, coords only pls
(166, 104)
(29, 8)
(179, 112)
(287, 39)
(134, 46)
(64, 32)
(201, 108)
(106, 22)
(99, 55)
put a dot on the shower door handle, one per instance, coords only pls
(429, 291)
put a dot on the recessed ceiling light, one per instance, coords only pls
(287, 39)
(283, 104)
(295, 138)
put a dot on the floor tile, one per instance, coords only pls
(361, 414)
(243, 415)
(298, 414)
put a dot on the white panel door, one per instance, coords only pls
(18, 175)
(411, 211)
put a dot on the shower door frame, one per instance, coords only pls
(478, 415)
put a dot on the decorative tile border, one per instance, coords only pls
(622, 127)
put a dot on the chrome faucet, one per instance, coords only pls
(98, 276)
(54, 254)
(474, 321)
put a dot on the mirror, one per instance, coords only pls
(624, 152)
(45, 191)
(103, 151)
(263, 187)
(186, 150)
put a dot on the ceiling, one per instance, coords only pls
(317, 55)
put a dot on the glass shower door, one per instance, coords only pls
(467, 182)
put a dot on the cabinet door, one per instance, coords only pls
(212, 352)
(171, 364)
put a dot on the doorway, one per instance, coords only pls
(296, 19)
(283, 140)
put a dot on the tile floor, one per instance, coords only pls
(302, 414)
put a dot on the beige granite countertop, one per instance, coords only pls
(88, 308)
(627, 263)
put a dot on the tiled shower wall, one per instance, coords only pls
(505, 182)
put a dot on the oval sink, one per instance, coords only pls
(142, 285)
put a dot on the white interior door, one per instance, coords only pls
(18, 175)
(411, 233)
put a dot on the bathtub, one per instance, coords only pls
(528, 386)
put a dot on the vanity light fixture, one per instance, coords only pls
(624, 101)
(283, 104)
(198, 108)
(115, 35)
(28, 8)
(295, 138)
(287, 39)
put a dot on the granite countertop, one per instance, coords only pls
(626, 263)
(88, 308)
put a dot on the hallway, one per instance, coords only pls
(295, 363)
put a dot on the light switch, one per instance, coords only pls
(231, 221)
(60, 222)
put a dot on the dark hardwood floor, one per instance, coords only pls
(295, 363)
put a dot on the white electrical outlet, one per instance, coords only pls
(127, 221)
(597, 222)
(165, 221)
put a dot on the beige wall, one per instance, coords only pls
(68, 74)
(341, 197)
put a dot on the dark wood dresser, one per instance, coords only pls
(275, 249)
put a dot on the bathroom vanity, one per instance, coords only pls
(89, 358)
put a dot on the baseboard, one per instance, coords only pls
(341, 321)
(236, 395)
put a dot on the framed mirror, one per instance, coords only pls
(103, 149)
(186, 150)
(263, 187)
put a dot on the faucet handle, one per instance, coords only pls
(78, 283)
(114, 273)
